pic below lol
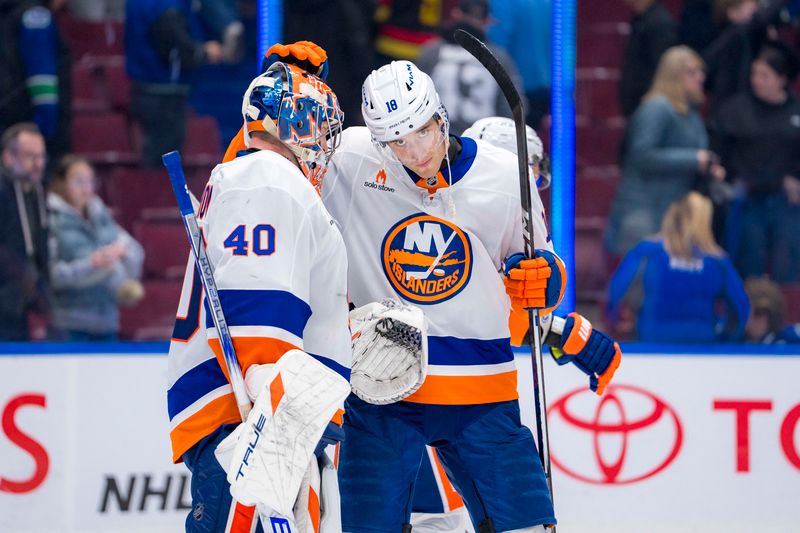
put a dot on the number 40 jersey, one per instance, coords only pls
(281, 271)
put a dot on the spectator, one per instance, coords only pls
(682, 275)
(524, 29)
(35, 71)
(95, 264)
(403, 26)
(766, 323)
(347, 39)
(466, 88)
(697, 17)
(757, 134)
(23, 233)
(161, 50)
(666, 146)
(742, 29)
(653, 31)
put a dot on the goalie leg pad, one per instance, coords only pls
(272, 449)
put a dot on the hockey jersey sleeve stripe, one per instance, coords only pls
(220, 411)
(275, 308)
(193, 384)
(333, 365)
(465, 390)
(252, 350)
(463, 352)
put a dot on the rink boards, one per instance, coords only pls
(685, 440)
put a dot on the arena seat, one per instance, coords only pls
(166, 248)
(88, 95)
(119, 85)
(103, 138)
(202, 145)
(595, 187)
(92, 38)
(596, 92)
(132, 191)
(591, 277)
(791, 295)
(154, 317)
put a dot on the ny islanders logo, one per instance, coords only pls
(426, 259)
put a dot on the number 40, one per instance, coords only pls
(263, 240)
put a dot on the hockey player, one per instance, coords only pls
(485, 380)
(280, 269)
(431, 218)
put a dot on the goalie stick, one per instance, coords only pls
(478, 49)
(172, 162)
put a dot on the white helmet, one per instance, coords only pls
(501, 132)
(397, 99)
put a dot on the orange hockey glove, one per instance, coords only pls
(536, 283)
(307, 55)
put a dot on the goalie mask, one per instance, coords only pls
(397, 99)
(501, 132)
(298, 109)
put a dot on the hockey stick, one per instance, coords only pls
(474, 46)
(172, 161)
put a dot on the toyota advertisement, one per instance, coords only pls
(681, 442)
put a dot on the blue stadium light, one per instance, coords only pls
(270, 23)
(562, 142)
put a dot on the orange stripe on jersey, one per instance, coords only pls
(313, 508)
(236, 145)
(518, 325)
(465, 390)
(276, 392)
(454, 501)
(219, 411)
(338, 417)
(243, 517)
(252, 351)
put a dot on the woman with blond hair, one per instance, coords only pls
(687, 288)
(666, 148)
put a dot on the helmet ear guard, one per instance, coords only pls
(298, 109)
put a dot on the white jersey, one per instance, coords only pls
(443, 252)
(281, 270)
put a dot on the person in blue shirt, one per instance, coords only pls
(163, 45)
(683, 277)
(34, 71)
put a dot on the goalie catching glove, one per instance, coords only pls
(591, 350)
(390, 351)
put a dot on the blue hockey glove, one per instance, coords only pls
(592, 351)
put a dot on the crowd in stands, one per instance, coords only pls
(688, 128)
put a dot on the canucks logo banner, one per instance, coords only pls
(426, 259)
